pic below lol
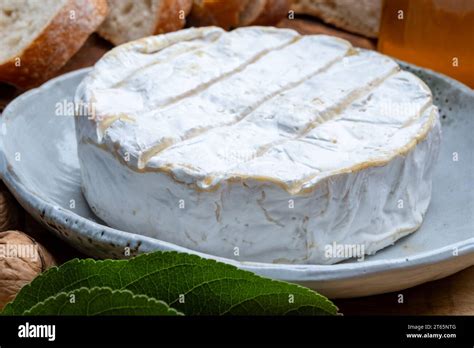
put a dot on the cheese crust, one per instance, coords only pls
(257, 144)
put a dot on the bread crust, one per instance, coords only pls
(274, 11)
(252, 11)
(105, 33)
(229, 14)
(222, 13)
(169, 17)
(361, 17)
(55, 45)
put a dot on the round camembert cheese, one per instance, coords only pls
(257, 144)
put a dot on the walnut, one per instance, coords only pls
(21, 260)
(8, 211)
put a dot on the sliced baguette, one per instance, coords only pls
(222, 13)
(133, 19)
(229, 14)
(357, 16)
(39, 36)
(274, 12)
(252, 11)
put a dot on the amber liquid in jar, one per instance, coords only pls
(437, 34)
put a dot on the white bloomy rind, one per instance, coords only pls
(258, 144)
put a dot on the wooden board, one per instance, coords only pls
(453, 295)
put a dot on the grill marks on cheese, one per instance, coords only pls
(233, 97)
(262, 103)
(165, 80)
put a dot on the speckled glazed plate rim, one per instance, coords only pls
(89, 229)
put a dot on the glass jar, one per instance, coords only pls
(437, 34)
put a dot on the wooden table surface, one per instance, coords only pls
(453, 295)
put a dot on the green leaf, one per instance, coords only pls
(188, 283)
(100, 301)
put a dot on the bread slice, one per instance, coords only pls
(273, 12)
(361, 16)
(251, 11)
(39, 36)
(222, 13)
(133, 19)
(229, 14)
